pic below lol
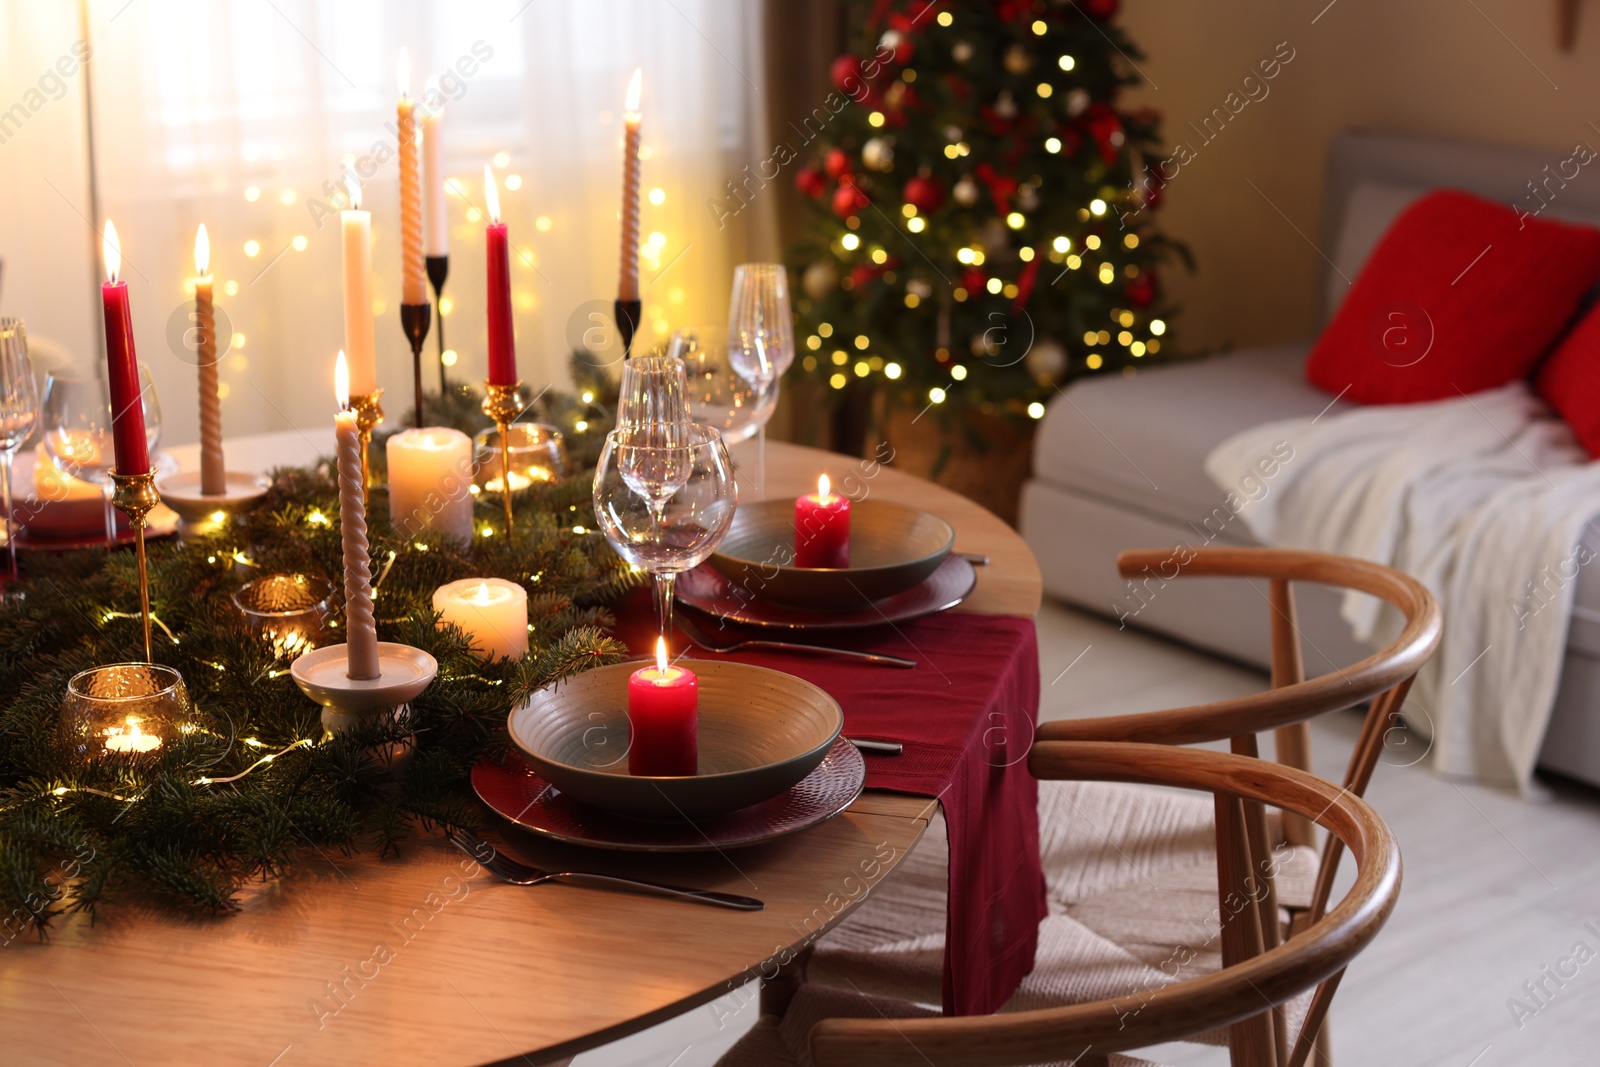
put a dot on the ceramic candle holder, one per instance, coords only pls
(403, 673)
(124, 710)
(538, 457)
(288, 611)
(199, 514)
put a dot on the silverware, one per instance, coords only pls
(882, 748)
(509, 870)
(977, 559)
(704, 640)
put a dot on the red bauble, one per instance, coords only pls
(809, 180)
(1104, 10)
(973, 280)
(862, 275)
(924, 193)
(847, 200)
(836, 163)
(845, 73)
(1141, 291)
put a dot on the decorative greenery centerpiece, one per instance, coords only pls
(251, 786)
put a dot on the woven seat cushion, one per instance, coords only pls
(1132, 885)
(784, 1041)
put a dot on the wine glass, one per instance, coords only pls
(653, 392)
(19, 411)
(719, 396)
(665, 533)
(77, 429)
(761, 335)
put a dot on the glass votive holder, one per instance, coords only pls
(289, 611)
(538, 457)
(124, 709)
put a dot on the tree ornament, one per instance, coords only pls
(1077, 101)
(1006, 106)
(1046, 361)
(953, 133)
(810, 181)
(1028, 197)
(1141, 291)
(898, 43)
(820, 279)
(961, 51)
(878, 154)
(848, 199)
(919, 288)
(861, 276)
(995, 239)
(966, 191)
(924, 193)
(836, 163)
(1102, 10)
(1017, 60)
(845, 73)
(973, 280)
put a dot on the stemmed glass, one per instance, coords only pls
(77, 429)
(19, 410)
(665, 508)
(652, 393)
(761, 334)
(720, 396)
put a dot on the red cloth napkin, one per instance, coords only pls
(966, 715)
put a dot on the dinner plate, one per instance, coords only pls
(711, 591)
(161, 522)
(516, 791)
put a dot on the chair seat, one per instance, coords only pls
(784, 1041)
(1131, 878)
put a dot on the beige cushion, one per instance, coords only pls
(785, 1041)
(1131, 878)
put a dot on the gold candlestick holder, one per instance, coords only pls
(135, 495)
(369, 413)
(501, 404)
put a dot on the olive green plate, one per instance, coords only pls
(760, 732)
(892, 548)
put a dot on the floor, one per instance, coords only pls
(1499, 891)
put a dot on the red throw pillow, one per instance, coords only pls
(1460, 295)
(1569, 381)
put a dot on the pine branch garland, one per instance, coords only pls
(86, 835)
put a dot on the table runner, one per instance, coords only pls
(966, 715)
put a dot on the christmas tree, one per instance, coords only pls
(984, 208)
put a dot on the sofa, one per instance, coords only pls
(1118, 461)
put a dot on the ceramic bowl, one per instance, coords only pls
(760, 732)
(892, 548)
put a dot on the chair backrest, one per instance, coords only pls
(1087, 1033)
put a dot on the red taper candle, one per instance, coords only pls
(502, 341)
(122, 366)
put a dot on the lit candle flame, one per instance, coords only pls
(341, 381)
(403, 72)
(823, 487)
(353, 187)
(202, 252)
(661, 655)
(631, 106)
(481, 594)
(491, 193)
(112, 249)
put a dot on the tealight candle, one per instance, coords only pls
(492, 611)
(822, 528)
(663, 719)
(128, 738)
(430, 479)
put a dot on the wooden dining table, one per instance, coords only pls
(427, 958)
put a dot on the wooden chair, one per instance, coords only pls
(1130, 870)
(829, 1028)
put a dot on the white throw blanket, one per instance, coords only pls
(1486, 499)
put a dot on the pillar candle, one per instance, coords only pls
(430, 479)
(213, 476)
(822, 528)
(413, 289)
(356, 230)
(361, 633)
(492, 611)
(502, 340)
(663, 719)
(122, 366)
(433, 202)
(628, 279)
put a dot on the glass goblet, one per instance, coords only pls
(19, 411)
(719, 396)
(77, 433)
(761, 335)
(653, 392)
(665, 534)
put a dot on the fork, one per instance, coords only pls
(703, 640)
(509, 870)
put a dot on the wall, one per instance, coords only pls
(1249, 203)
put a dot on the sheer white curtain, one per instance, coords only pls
(243, 114)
